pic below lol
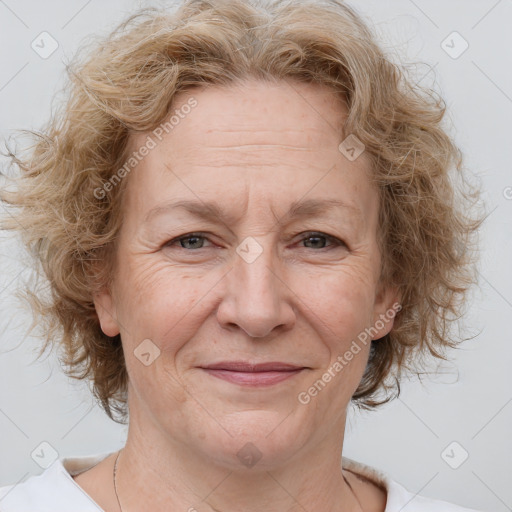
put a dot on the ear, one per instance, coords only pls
(105, 309)
(386, 306)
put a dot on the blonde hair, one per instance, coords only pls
(126, 84)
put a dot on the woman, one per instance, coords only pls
(246, 218)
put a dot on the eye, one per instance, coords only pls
(195, 241)
(319, 239)
(188, 241)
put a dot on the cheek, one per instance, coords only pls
(343, 307)
(347, 310)
(343, 299)
(158, 302)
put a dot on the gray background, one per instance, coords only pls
(470, 400)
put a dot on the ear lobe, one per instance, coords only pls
(387, 305)
(104, 304)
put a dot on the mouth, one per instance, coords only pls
(253, 374)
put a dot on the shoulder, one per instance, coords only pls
(54, 490)
(399, 499)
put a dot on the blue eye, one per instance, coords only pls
(321, 236)
(195, 241)
(196, 238)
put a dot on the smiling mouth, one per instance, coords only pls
(253, 374)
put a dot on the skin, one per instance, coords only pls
(254, 148)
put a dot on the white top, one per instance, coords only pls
(55, 491)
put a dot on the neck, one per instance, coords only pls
(156, 473)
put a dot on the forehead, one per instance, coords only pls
(279, 139)
(248, 110)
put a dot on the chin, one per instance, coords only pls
(257, 440)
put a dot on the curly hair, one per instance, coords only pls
(126, 84)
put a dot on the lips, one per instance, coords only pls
(243, 366)
(252, 374)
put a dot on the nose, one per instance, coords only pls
(257, 298)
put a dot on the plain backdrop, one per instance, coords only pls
(446, 437)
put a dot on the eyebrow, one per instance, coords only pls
(209, 210)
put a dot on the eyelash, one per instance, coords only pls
(335, 242)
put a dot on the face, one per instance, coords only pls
(274, 258)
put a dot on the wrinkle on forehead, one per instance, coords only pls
(262, 146)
